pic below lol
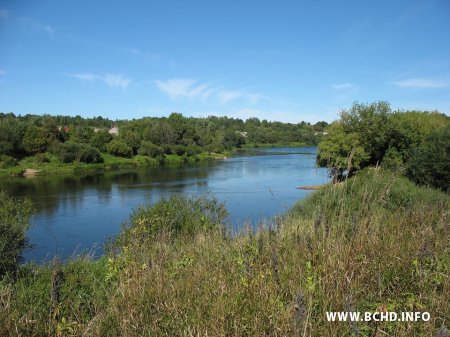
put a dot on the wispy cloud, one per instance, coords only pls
(189, 88)
(226, 96)
(192, 89)
(344, 86)
(2, 72)
(111, 80)
(116, 81)
(421, 83)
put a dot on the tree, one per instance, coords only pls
(342, 153)
(119, 148)
(430, 163)
(35, 140)
(100, 139)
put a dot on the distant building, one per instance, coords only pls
(114, 131)
(243, 134)
(97, 130)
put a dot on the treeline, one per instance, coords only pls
(415, 143)
(84, 139)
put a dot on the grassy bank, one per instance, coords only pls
(55, 166)
(376, 242)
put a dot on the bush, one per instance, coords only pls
(41, 158)
(430, 163)
(119, 148)
(70, 152)
(7, 161)
(176, 216)
(151, 150)
(167, 148)
(179, 150)
(192, 150)
(14, 222)
(88, 154)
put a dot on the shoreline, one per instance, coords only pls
(29, 169)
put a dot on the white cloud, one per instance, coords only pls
(344, 86)
(192, 89)
(2, 72)
(421, 83)
(111, 80)
(89, 77)
(189, 88)
(116, 81)
(226, 96)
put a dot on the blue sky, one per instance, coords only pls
(275, 60)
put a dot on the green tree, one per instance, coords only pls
(341, 152)
(100, 139)
(35, 140)
(430, 163)
(119, 148)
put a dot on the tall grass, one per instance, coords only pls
(376, 242)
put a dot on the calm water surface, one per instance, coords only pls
(74, 213)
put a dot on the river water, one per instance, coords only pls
(76, 213)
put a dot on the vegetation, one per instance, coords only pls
(375, 242)
(372, 134)
(69, 141)
(14, 222)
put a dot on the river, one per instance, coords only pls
(77, 213)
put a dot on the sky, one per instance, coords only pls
(281, 60)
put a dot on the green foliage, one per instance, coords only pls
(41, 158)
(35, 140)
(176, 216)
(370, 134)
(14, 222)
(151, 150)
(430, 163)
(88, 154)
(100, 139)
(131, 138)
(341, 151)
(119, 148)
(70, 152)
(7, 161)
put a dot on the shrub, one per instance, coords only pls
(176, 216)
(119, 148)
(179, 150)
(41, 158)
(167, 148)
(7, 161)
(14, 222)
(70, 152)
(88, 154)
(192, 150)
(151, 150)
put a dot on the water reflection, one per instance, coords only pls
(80, 211)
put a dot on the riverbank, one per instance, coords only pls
(28, 167)
(376, 243)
